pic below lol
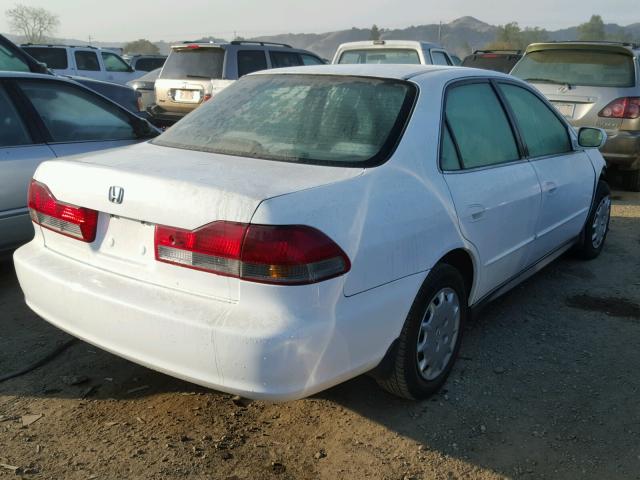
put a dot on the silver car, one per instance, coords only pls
(593, 84)
(43, 117)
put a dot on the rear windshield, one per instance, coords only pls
(320, 119)
(55, 58)
(381, 55)
(148, 64)
(491, 61)
(201, 62)
(577, 67)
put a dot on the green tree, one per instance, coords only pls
(512, 37)
(375, 33)
(34, 23)
(592, 30)
(141, 46)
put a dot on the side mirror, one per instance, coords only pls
(41, 67)
(591, 137)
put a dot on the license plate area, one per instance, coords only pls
(187, 95)
(126, 239)
(566, 109)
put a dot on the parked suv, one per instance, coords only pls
(496, 60)
(393, 51)
(194, 72)
(593, 84)
(87, 61)
(146, 63)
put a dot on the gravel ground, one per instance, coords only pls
(547, 386)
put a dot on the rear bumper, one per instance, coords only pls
(623, 150)
(264, 347)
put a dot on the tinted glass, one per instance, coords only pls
(381, 55)
(54, 57)
(113, 63)
(87, 61)
(480, 126)
(311, 60)
(9, 62)
(148, 64)
(298, 118)
(439, 58)
(543, 132)
(203, 62)
(73, 114)
(251, 61)
(491, 61)
(12, 129)
(284, 59)
(577, 67)
(448, 157)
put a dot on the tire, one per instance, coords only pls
(403, 375)
(631, 180)
(595, 230)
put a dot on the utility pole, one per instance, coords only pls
(440, 32)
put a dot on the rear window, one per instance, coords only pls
(381, 55)
(55, 58)
(491, 61)
(320, 119)
(148, 64)
(577, 67)
(194, 63)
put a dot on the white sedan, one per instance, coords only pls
(308, 225)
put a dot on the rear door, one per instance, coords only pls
(495, 190)
(281, 59)
(566, 176)
(20, 154)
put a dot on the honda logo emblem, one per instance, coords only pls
(116, 194)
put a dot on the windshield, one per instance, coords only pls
(381, 55)
(577, 67)
(200, 62)
(498, 63)
(321, 119)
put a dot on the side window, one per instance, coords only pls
(251, 61)
(449, 159)
(73, 114)
(310, 59)
(12, 129)
(55, 58)
(439, 58)
(284, 59)
(480, 126)
(113, 63)
(87, 61)
(9, 62)
(542, 131)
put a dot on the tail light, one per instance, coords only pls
(207, 96)
(626, 107)
(139, 101)
(274, 254)
(69, 220)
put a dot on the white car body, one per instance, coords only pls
(428, 53)
(394, 222)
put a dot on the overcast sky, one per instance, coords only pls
(123, 20)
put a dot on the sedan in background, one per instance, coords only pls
(145, 87)
(310, 224)
(43, 117)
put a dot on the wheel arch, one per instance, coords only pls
(463, 261)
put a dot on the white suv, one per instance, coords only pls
(87, 61)
(394, 52)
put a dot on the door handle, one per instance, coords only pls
(476, 212)
(549, 187)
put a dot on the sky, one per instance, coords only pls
(125, 20)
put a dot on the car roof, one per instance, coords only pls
(621, 47)
(390, 71)
(388, 43)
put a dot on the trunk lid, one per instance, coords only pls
(168, 186)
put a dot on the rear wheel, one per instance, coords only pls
(430, 339)
(631, 180)
(597, 226)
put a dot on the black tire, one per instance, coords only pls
(401, 376)
(631, 180)
(586, 248)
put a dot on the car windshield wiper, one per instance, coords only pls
(547, 80)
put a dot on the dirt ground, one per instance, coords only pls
(547, 386)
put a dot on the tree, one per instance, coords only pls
(592, 30)
(34, 23)
(512, 37)
(375, 33)
(141, 46)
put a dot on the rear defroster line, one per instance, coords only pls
(38, 363)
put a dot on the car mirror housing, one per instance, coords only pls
(589, 137)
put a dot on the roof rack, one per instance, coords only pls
(257, 42)
(57, 45)
(513, 52)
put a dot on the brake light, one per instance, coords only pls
(274, 254)
(626, 107)
(193, 47)
(489, 55)
(75, 222)
(207, 96)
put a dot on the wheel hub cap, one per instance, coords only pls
(601, 222)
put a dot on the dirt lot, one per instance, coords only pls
(547, 387)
